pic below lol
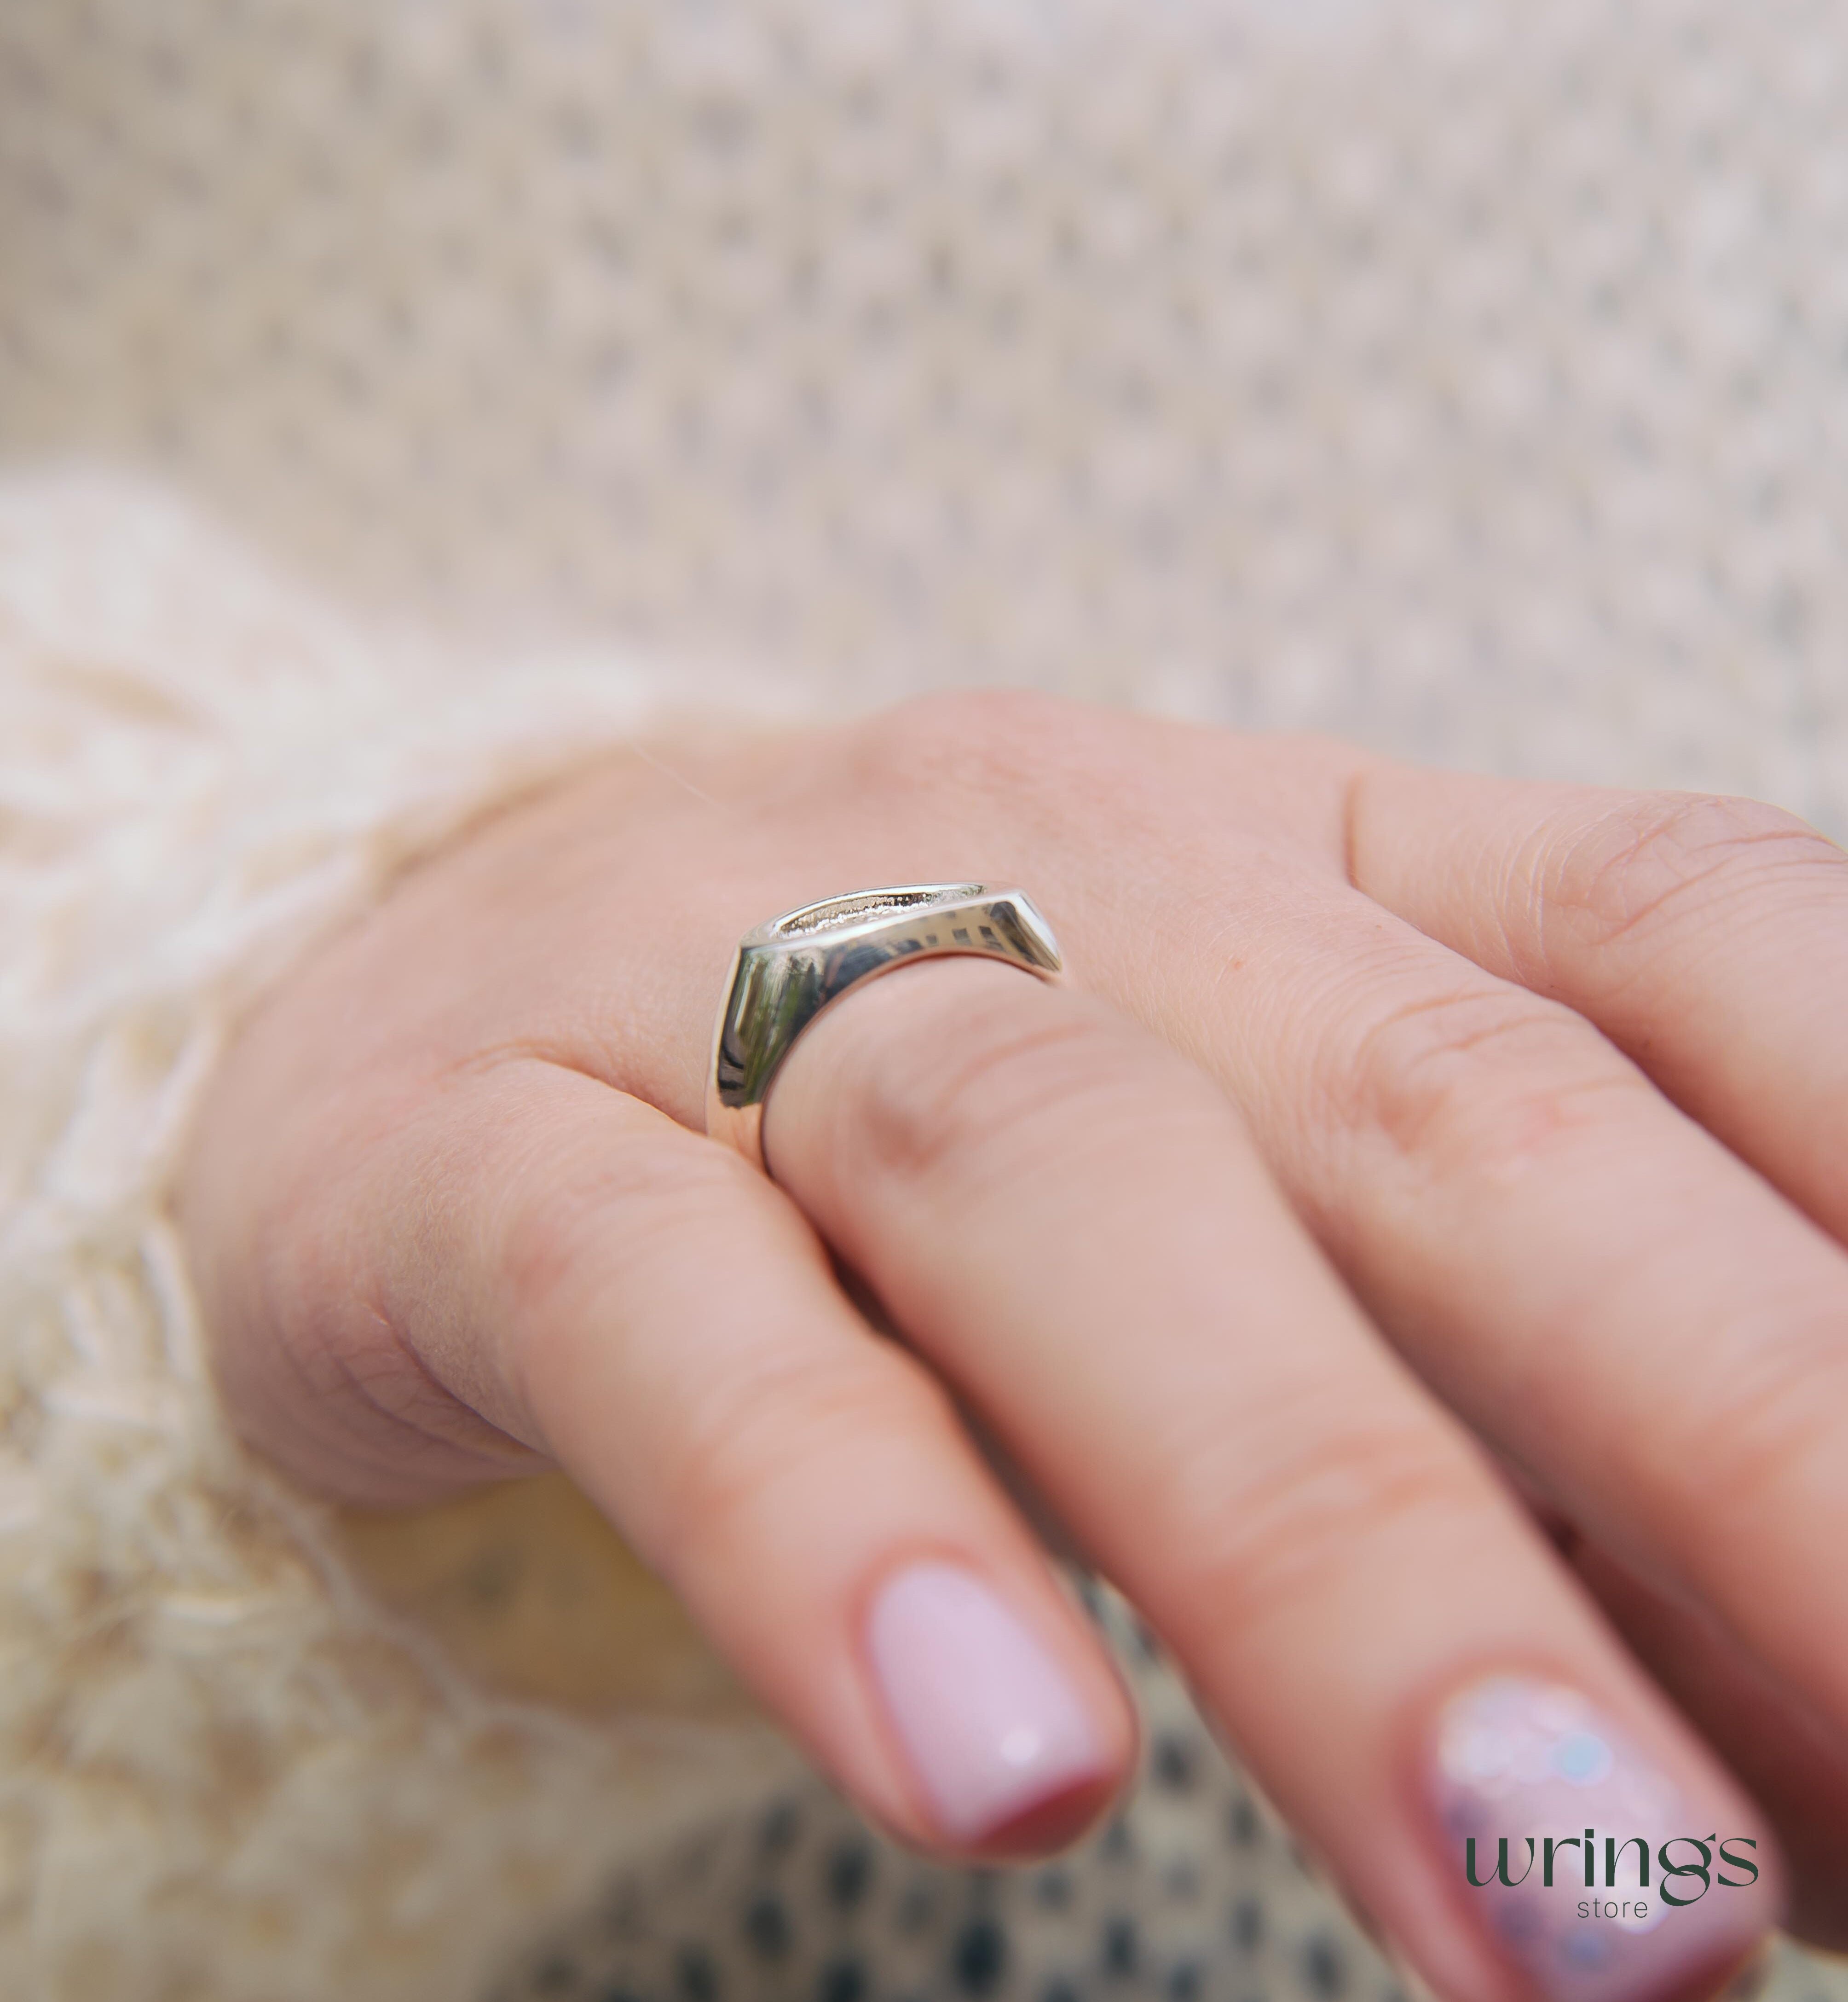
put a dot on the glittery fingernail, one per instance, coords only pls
(1603, 1876)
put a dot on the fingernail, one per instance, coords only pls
(992, 1725)
(1527, 1774)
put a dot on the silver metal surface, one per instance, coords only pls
(785, 972)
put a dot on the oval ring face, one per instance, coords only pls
(785, 972)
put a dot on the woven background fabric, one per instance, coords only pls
(1466, 375)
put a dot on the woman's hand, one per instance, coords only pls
(1386, 1114)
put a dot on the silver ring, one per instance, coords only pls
(785, 972)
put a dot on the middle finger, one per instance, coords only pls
(1067, 1220)
(1637, 1319)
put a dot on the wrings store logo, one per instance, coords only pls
(1682, 1862)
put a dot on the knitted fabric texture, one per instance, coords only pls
(225, 1772)
(1460, 374)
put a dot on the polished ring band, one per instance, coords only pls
(785, 972)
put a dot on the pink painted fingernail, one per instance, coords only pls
(991, 1724)
(1602, 1876)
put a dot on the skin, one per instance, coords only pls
(1419, 1219)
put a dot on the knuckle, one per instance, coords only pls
(585, 1209)
(377, 1418)
(1264, 1540)
(993, 1084)
(1477, 1077)
(779, 1418)
(986, 744)
(1766, 1411)
(978, 711)
(1670, 859)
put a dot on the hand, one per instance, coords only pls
(1399, 1137)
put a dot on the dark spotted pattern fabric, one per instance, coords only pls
(1191, 1893)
